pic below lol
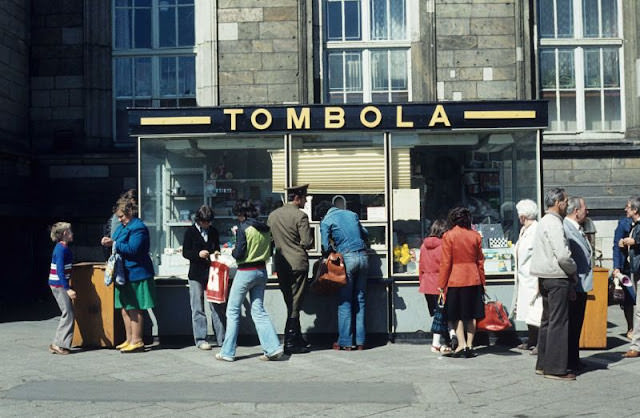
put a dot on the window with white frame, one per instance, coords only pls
(580, 58)
(153, 57)
(366, 51)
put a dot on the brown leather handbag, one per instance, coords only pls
(331, 275)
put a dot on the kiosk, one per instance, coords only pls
(398, 166)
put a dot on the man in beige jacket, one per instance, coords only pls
(292, 237)
(551, 262)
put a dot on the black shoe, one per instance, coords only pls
(469, 353)
(458, 354)
(296, 349)
(454, 342)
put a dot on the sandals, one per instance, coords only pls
(442, 349)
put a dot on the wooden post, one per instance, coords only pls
(594, 328)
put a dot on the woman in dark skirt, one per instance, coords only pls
(462, 279)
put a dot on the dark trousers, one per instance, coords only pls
(576, 318)
(553, 337)
(293, 284)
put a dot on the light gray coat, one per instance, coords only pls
(581, 254)
(551, 257)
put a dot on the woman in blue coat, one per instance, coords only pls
(131, 241)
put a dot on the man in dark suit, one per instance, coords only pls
(292, 237)
(581, 252)
(201, 241)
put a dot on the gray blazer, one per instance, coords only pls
(581, 254)
(551, 257)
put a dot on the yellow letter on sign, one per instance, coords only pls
(301, 121)
(266, 114)
(233, 113)
(333, 117)
(439, 116)
(363, 117)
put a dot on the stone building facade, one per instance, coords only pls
(58, 155)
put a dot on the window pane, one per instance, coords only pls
(167, 26)
(613, 120)
(590, 18)
(187, 76)
(336, 97)
(548, 68)
(379, 70)
(334, 20)
(380, 97)
(352, 20)
(399, 70)
(123, 79)
(592, 68)
(123, 30)
(143, 28)
(142, 3)
(398, 22)
(379, 19)
(168, 76)
(401, 96)
(186, 23)
(546, 19)
(185, 2)
(123, 3)
(611, 67)
(143, 76)
(565, 18)
(353, 66)
(553, 110)
(354, 98)
(592, 114)
(335, 71)
(567, 111)
(609, 18)
(566, 71)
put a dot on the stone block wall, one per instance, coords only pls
(14, 79)
(258, 52)
(476, 49)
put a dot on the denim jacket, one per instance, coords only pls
(345, 229)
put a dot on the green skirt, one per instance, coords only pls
(138, 295)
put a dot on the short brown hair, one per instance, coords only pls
(438, 228)
(127, 203)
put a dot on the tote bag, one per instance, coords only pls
(218, 282)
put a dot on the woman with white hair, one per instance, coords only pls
(527, 305)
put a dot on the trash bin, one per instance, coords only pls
(97, 324)
(594, 328)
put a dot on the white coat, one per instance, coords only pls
(528, 302)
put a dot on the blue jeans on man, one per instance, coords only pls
(199, 317)
(253, 282)
(351, 299)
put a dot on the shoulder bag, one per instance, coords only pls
(495, 318)
(331, 275)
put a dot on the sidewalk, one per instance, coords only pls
(403, 380)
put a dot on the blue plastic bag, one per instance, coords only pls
(114, 271)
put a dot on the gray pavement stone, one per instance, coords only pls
(392, 381)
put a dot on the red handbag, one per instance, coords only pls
(495, 318)
(218, 283)
(331, 275)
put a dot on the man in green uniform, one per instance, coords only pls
(292, 237)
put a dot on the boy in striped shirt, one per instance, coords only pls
(59, 276)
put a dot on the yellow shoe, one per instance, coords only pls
(123, 345)
(133, 348)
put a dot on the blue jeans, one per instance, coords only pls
(254, 283)
(199, 318)
(352, 298)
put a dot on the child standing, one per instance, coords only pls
(59, 276)
(430, 255)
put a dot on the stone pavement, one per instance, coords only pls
(403, 380)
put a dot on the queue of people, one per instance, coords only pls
(553, 273)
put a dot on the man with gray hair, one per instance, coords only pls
(551, 261)
(581, 252)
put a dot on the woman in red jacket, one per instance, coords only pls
(462, 278)
(430, 256)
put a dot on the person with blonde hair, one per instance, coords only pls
(131, 241)
(59, 275)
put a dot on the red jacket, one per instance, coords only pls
(430, 255)
(462, 259)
